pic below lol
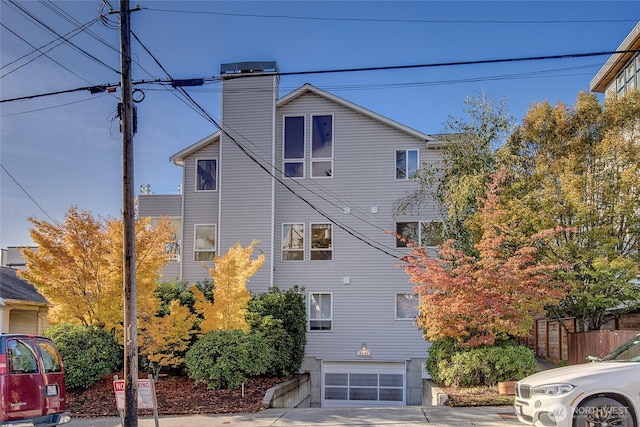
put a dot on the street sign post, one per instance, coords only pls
(146, 396)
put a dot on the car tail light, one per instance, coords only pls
(4, 369)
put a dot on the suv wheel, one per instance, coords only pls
(601, 412)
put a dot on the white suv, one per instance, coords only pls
(602, 393)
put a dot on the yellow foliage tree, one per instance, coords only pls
(78, 267)
(230, 275)
(167, 338)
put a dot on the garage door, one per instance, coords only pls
(363, 384)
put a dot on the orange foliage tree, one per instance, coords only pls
(492, 296)
(167, 338)
(230, 275)
(78, 268)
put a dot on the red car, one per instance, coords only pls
(32, 390)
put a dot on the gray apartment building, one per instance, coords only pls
(314, 178)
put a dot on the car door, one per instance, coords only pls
(24, 397)
(52, 377)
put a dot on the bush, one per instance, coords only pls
(224, 359)
(282, 318)
(485, 366)
(87, 352)
(440, 350)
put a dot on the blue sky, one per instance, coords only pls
(65, 150)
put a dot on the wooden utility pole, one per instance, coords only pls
(129, 246)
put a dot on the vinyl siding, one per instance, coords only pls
(202, 209)
(157, 205)
(246, 207)
(363, 177)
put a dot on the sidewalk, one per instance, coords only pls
(436, 416)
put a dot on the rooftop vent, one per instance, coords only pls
(243, 68)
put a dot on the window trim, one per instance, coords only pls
(404, 319)
(406, 154)
(302, 159)
(311, 249)
(197, 180)
(303, 250)
(330, 319)
(312, 159)
(215, 248)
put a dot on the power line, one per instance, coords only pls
(27, 193)
(364, 69)
(390, 20)
(261, 164)
(42, 24)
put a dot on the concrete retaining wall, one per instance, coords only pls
(294, 393)
(433, 395)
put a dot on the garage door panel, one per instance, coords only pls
(355, 384)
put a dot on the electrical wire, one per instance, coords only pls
(43, 25)
(389, 20)
(28, 195)
(268, 168)
(381, 68)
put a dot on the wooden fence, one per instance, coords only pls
(549, 339)
(555, 342)
(595, 343)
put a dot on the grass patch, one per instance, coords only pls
(476, 396)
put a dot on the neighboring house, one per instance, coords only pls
(12, 257)
(314, 178)
(621, 73)
(22, 308)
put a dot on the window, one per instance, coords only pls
(22, 359)
(206, 174)
(638, 71)
(49, 357)
(321, 238)
(406, 164)
(320, 312)
(408, 231)
(204, 245)
(322, 146)
(293, 242)
(431, 233)
(428, 233)
(293, 147)
(620, 83)
(173, 246)
(407, 306)
(630, 84)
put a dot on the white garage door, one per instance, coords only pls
(363, 384)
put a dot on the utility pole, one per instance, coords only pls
(129, 246)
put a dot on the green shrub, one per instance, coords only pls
(224, 359)
(278, 311)
(440, 350)
(87, 352)
(486, 366)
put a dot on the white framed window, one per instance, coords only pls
(321, 242)
(620, 83)
(293, 147)
(293, 242)
(407, 305)
(322, 146)
(204, 242)
(427, 233)
(407, 162)
(173, 246)
(320, 311)
(206, 174)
